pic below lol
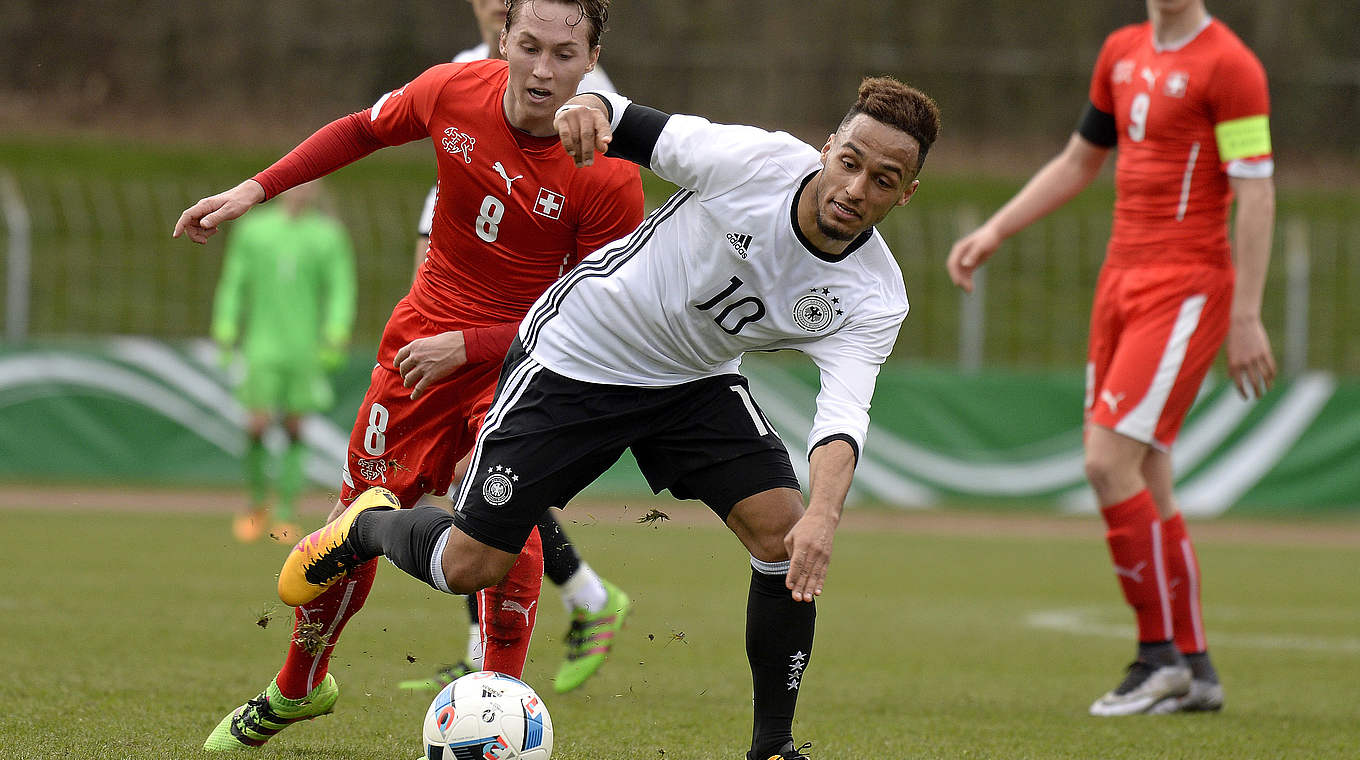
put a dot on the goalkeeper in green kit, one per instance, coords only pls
(286, 299)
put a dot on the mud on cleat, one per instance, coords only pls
(325, 556)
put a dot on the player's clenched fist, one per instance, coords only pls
(583, 128)
(970, 253)
(200, 220)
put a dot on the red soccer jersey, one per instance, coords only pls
(1185, 114)
(513, 212)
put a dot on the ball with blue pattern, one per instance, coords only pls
(487, 716)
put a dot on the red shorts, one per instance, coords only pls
(1154, 334)
(411, 447)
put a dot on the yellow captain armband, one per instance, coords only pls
(1243, 138)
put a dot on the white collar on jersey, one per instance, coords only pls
(1172, 47)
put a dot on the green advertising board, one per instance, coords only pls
(133, 410)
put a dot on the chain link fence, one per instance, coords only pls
(91, 254)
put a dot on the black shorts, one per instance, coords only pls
(547, 437)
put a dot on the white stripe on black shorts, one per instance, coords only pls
(547, 437)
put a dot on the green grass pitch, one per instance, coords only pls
(130, 635)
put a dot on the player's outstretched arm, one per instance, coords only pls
(809, 542)
(583, 126)
(200, 221)
(1251, 363)
(1056, 183)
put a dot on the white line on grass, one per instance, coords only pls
(1086, 622)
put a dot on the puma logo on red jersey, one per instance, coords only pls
(1111, 400)
(1150, 77)
(506, 176)
(1134, 573)
(511, 605)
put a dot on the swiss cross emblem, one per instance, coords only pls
(549, 204)
(1177, 83)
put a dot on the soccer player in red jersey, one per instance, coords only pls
(513, 215)
(1185, 101)
(597, 608)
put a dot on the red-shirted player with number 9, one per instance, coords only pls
(1186, 103)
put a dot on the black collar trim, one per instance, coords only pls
(814, 250)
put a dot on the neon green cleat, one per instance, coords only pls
(590, 638)
(324, 557)
(255, 722)
(446, 675)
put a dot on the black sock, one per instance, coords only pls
(473, 615)
(1159, 653)
(560, 560)
(778, 644)
(1201, 667)
(407, 536)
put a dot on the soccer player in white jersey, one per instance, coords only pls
(770, 244)
(597, 608)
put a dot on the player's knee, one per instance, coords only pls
(1108, 473)
(1099, 470)
(467, 572)
(763, 520)
(769, 548)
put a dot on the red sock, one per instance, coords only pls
(1182, 571)
(508, 611)
(320, 622)
(1135, 538)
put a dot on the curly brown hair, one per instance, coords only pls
(594, 11)
(898, 105)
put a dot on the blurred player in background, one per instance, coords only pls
(1185, 102)
(770, 244)
(596, 607)
(514, 215)
(286, 300)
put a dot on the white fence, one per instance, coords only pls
(93, 255)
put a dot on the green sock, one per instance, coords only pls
(257, 477)
(290, 481)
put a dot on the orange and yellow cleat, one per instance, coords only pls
(323, 557)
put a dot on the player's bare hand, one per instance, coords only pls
(809, 547)
(583, 128)
(969, 253)
(199, 222)
(425, 361)
(1250, 361)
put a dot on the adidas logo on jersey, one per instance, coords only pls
(739, 243)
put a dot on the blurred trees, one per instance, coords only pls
(1000, 68)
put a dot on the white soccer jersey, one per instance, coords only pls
(722, 269)
(594, 81)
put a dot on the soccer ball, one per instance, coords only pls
(487, 716)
